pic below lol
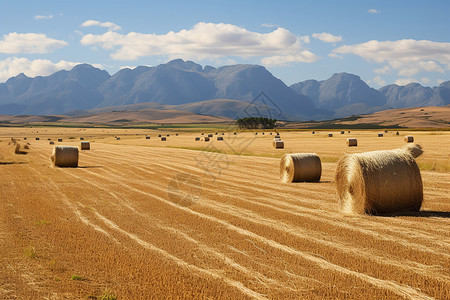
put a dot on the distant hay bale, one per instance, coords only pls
(197, 139)
(313, 132)
(220, 138)
(409, 139)
(271, 133)
(85, 145)
(300, 167)
(216, 133)
(330, 135)
(24, 138)
(167, 134)
(380, 182)
(256, 133)
(206, 138)
(277, 136)
(163, 138)
(65, 156)
(81, 138)
(278, 144)
(234, 133)
(342, 131)
(210, 135)
(37, 139)
(352, 142)
(349, 131)
(51, 143)
(263, 133)
(380, 134)
(118, 138)
(176, 134)
(203, 133)
(60, 140)
(223, 133)
(397, 133)
(385, 131)
(159, 135)
(147, 137)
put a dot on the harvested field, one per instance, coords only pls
(143, 219)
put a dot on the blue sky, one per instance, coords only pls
(383, 42)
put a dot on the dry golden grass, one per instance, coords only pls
(114, 223)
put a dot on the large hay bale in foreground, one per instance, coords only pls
(409, 139)
(300, 167)
(85, 145)
(65, 156)
(352, 142)
(380, 182)
(278, 144)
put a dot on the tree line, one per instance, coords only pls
(256, 122)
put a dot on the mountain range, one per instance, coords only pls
(243, 90)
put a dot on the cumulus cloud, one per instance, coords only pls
(43, 17)
(379, 81)
(29, 43)
(384, 70)
(408, 57)
(206, 40)
(269, 25)
(13, 66)
(327, 37)
(109, 25)
(373, 11)
(405, 81)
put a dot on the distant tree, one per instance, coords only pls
(256, 122)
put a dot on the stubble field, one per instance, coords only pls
(142, 219)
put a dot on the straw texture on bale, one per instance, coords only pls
(163, 138)
(65, 156)
(380, 182)
(85, 145)
(352, 142)
(380, 135)
(300, 167)
(409, 139)
(220, 138)
(330, 135)
(278, 144)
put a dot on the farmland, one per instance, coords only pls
(142, 218)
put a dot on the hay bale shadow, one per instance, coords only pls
(13, 163)
(420, 214)
(89, 167)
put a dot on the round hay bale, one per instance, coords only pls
(380, 134)
(300, 167)
(206, 138)
(147, 137)
(277, 136)
(85, 145)
(263, 133)
(313, 132)
(197, 139)
(24, 138)
(223, 133)
(37, 139)
(385, 131)
(65, 156)
(278, 144)
(210, 135)
(397, 133)
(159, 135)
(342, 131)
(330, 135)
(380, 182)
(176, 134)
(51, 143)
(256, 133)
(409, 139)
(349, 131)
(203, 133)
(220, 138)
(234, 133)
(271, 133)
(352, 142)
(168, 135)
(81, 138)
(60, 140)
(216, 133)
(163, 138)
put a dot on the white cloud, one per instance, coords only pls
(439, 81)
(334, 55)
(269, 25)
(384, 70)
(43, 17)
(373, 11)
(109, 25)
(327, 37)
(405, 81)
(29, 43)
(206, 41)
(13, 66)
(408, 57)
(425, 80)
(379, 81)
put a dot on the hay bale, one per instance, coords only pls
(197, 139)
(51, 143)
(397, 133)
(159, 135)
(176, 134)
(278, 144)
(81, 138)
(37, 139)
(385, 131)
(330, 135)
(380, 134)
(234, 133)
(65, 156)
(216, 133)
(168, 135)
(147, 137)
(203, 133)
(271, 133)
(277, 136)
(380, 182)
(118, 138)
(24, 138)
(60, 140)
(256, 133)
(342, 131)
(313, 132)
(85, 145)
(223, 133)
(210, 135)
(163, 138)
(300, 167)
(220, 138)
(352, 142)
(263, 133)
(409, 139)
(206, 138)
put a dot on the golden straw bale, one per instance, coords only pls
(352, 142)
(342, 132)
(147, 137)
(65, 156)
(85, 145)
(60, 140)
(380, 134)
(37, 139)
(330, 135)
(300, 167)
(380, 182)
(206, 138)
(197, 139)
(163, 138)
(278, 144)
(409, 139)
(210, 135)
(51, 143)
(220, 138)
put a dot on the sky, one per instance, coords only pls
(383, 42)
